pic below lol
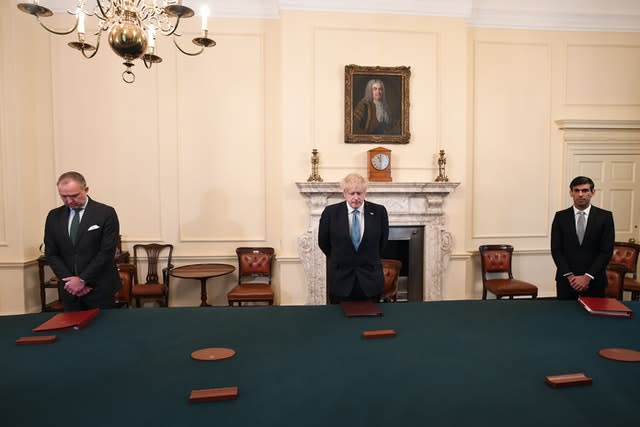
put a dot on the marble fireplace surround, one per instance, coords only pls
(408, 204)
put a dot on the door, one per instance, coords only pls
(617, 187)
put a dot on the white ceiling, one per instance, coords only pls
(574, 15)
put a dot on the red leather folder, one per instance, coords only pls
(71, 319)
(360, 308)
(212, 394)
(567, 380)
(37, 339)
(605, 307)
(379, 333)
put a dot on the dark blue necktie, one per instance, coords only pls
(355, 229)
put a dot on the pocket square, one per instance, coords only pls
(93, 227)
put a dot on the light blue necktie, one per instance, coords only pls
(355, 229)
(580, 226)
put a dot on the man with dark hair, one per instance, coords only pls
(80, 241)
(582, 239)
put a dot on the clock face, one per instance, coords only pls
(380, 161)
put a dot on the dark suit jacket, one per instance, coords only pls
(592, 256)
(92, 257)
(344, 263)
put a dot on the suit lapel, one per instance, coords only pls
(592, 219)
(63, 222)
(86, 219)
(369, 220)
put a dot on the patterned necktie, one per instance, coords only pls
(355, 229)
(75, 225)
(580, 226)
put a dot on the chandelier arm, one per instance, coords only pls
(102, 12)
(185, 52)
(147, 64)
(175, 28)
(60, 33)
(95, 50)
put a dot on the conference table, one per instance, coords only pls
(452, 363)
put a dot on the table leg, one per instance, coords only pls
(203, 293)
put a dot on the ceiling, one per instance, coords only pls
(571, 15)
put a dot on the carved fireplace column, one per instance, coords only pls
(408, 204)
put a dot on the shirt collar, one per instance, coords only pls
(83, 207)
(350, 209)
(586, 211)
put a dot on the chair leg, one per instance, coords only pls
(484, 293)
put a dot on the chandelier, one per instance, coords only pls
(131, 25)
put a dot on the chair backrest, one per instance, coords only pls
(615, 281)
(157, 257)
(391, 269)
(254, 263)
(496, 259)
(626, 254)
(127, 274)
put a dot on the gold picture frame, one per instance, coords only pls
(363, 121)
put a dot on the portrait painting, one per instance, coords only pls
(376, 104)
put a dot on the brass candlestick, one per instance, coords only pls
(442, 163)
(315, 160)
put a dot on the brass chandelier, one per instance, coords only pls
(131, 26)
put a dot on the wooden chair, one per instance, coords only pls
(626, 254)
(615, 281)
(150, 257)
(391, 269)
(495, 261)
(254, 276)
(127, 274)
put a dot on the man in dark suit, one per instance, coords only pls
(582, 239)
(80, 242)
(352, 234)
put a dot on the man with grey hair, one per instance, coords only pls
(352, 234)
(80, 241)
(372, 115)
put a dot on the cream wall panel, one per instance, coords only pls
(4, 134)
(221, 146)
(108, 130)
(603, 75)
(511, 139)
(336, 47)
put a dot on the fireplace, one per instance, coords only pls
(406, 244)
(416, 218)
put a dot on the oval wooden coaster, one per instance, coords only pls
(620, 354)
(213, 353)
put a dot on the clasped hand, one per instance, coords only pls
(75, 286)
(579, 283)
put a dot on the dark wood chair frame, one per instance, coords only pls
(152, 253)
(127, 274)
(615, 281)
(626, 254)
(254, 284)
(495, 259)
(391, 269)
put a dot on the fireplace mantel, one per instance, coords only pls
(408, 203)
